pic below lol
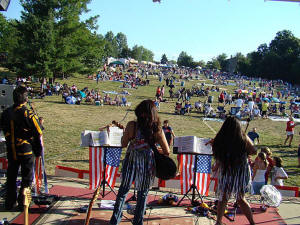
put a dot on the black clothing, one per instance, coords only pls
(168, 133)
(23, 140)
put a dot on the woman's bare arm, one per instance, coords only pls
(162, 141)
(128, 134)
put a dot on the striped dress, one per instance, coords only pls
(234, 181)
(139, 164)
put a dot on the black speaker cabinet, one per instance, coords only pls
(4, 5)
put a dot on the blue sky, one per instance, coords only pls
(202, 28)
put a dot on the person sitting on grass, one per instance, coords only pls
(198, 105)
(107, 99)
(178, 107)
(188, 107)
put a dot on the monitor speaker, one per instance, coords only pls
(4, 5)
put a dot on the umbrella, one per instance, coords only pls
(282, 102)
(71, 100)
(266, 99)
(275, 100)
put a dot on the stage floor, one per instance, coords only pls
(75, 194)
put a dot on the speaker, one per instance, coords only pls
(4, 5)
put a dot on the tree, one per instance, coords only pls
(222, 59)
(37, 41)
(9, 42)
(185, 60)
(121, 41)
(142, 54)
(164, 59)
(213, 64)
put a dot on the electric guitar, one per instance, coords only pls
(89, 211)
(26, 203)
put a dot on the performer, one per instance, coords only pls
(23, 140)
(231, 148)
(139, 163)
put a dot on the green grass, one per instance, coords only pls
(64, 123)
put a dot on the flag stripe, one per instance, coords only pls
(202, 168)
(96, 161)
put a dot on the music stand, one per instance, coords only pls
(193, 187)
(103, 181)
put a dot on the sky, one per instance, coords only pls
(202, 28)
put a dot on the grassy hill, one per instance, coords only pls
(64, 123)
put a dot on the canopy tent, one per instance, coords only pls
(116, 63)
(133, 61)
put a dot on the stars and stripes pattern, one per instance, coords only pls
(96, 163)
(202, 169)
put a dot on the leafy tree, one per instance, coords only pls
(142, 54)
(213, 64)
(164, 59)
(9, 41)
(37, 41)
(222, 59)
(185, 60)
(121, 41)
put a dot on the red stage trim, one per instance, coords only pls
(288, 188)
(79, 172)
(161, 183)
(3, 161)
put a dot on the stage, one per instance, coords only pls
(74, 193)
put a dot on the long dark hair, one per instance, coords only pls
(229, 145)
(147, 120)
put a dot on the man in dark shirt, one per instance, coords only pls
(23, 140)
(253, 135)
(168, 132)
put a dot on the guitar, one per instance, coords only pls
(89, 211)
(26, 203)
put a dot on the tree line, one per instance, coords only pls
(50, 40)
(278, 60)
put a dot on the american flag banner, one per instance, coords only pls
(96, 163)
(203, 169)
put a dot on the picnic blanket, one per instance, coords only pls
(110, 92)
(220, 120)
(282, 119)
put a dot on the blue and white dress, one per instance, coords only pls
(139, 164)
(235, 180)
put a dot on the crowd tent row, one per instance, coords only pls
(127, 62)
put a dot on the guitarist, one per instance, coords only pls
(139, 162)
(23, 140)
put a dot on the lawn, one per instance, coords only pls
(64, 123)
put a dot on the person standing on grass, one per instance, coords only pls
(231, 148)
(290, 125)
